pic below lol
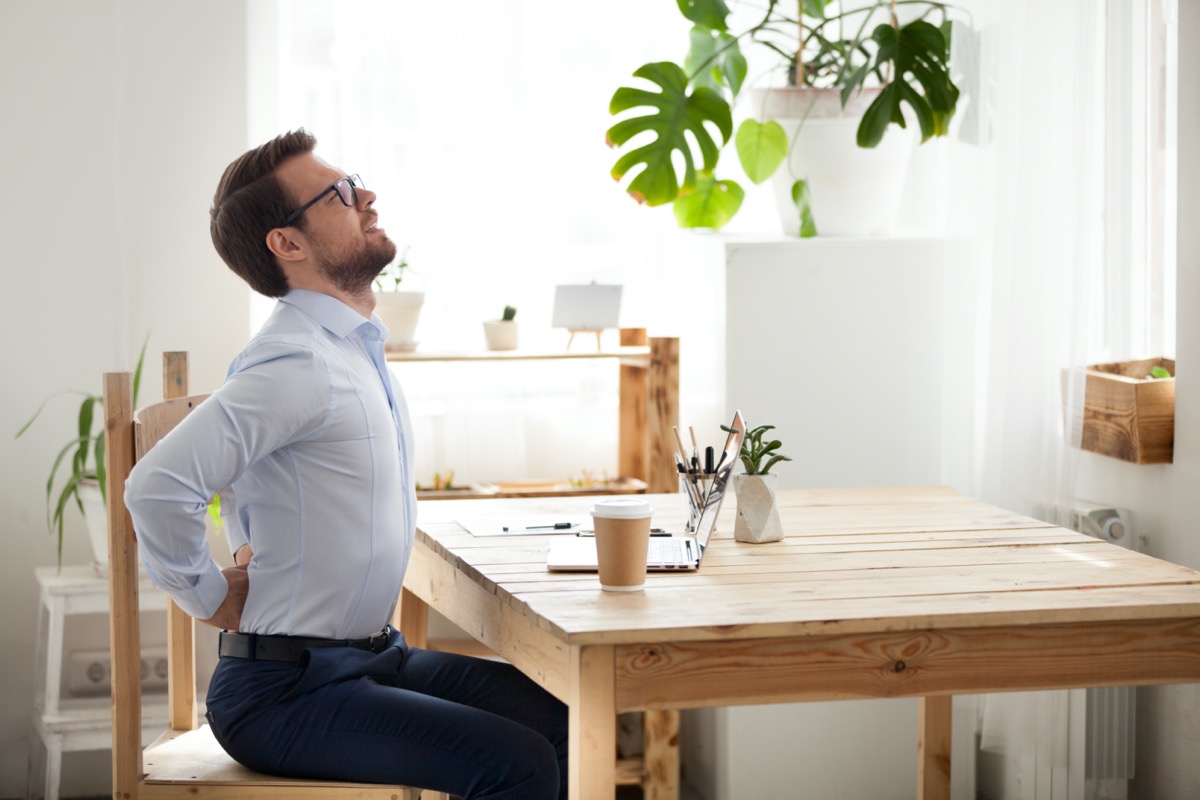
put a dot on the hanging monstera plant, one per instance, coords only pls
(672, 135)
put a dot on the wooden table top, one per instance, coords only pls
(854, 561)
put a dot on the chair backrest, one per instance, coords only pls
(129, 436)
(186, 761)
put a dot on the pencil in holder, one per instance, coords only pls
(693, 489)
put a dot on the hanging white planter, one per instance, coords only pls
(400, 312)
(757, 518)
(855, 191)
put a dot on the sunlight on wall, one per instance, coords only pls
(484, 139)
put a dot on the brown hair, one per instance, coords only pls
(249, 202)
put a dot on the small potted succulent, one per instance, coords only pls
(757, 514)
(501, 334)
(399, 309)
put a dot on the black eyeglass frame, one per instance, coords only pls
(352, 181)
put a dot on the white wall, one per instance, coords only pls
(119, 116)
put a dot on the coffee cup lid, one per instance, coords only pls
(621, 508)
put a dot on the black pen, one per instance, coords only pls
(653, 532)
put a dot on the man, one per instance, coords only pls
(309, 444)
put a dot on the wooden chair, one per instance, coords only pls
(186, 761)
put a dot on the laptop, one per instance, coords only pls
(682, 551)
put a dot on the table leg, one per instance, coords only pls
(592, 771)
(933, 747)
(412, 617)
(662, 755)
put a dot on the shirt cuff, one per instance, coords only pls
(205, 596)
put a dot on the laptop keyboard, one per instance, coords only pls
(669, 552)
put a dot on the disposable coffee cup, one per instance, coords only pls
(622, 526)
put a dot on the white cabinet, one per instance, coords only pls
(841, 344)
(69, 724)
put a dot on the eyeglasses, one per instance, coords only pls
(345, 192)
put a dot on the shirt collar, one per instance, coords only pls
(332, 314)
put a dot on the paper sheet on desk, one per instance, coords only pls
(528, 525)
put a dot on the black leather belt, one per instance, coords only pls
(256, 647)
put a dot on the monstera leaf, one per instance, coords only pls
(920, 56)
(710, 204)
(715, 60)
(709, 13)
(673, 113)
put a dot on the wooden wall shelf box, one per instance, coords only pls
(1128, 417)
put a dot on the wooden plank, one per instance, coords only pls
(935, 719)
(503, 629)
(193, 764)
(181, 629)
(662, 764)
(623, 352)
(907, 664)
(124, 634)
(592, 728)
(662, 412)
(631, 428)
(412, 618)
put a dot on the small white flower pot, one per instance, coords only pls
(400, 312)
(757, 513)
(500, 334)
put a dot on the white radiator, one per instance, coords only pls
(1111, 712)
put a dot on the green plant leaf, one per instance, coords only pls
(709, 13)
(774, 460)
(1159, 372)
(761, 147)
(101, 470)
(715, 60)
(814, 8)
(85, 433)
(137, 372)
(919, 54)
(675, 113)
(802, 199)
(710, 204)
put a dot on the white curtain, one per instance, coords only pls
(1031, 211)
(482, 129)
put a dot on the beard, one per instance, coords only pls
(353, 272)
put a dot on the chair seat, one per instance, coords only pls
(194, 762)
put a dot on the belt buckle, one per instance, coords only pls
(378, 641)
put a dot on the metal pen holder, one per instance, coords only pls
(693, 489)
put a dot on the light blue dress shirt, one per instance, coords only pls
(309, 444)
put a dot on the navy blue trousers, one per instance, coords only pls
(471, 727)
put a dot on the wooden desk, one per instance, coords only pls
(874, 593)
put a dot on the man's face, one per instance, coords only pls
(345, 243)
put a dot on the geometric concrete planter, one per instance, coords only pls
(757, 515)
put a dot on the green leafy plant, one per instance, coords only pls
(389, 278)
(509, 314)
(821, 45)
(84, 454)
(1159, 373)
(754, 450)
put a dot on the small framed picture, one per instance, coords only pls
(586, 307)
